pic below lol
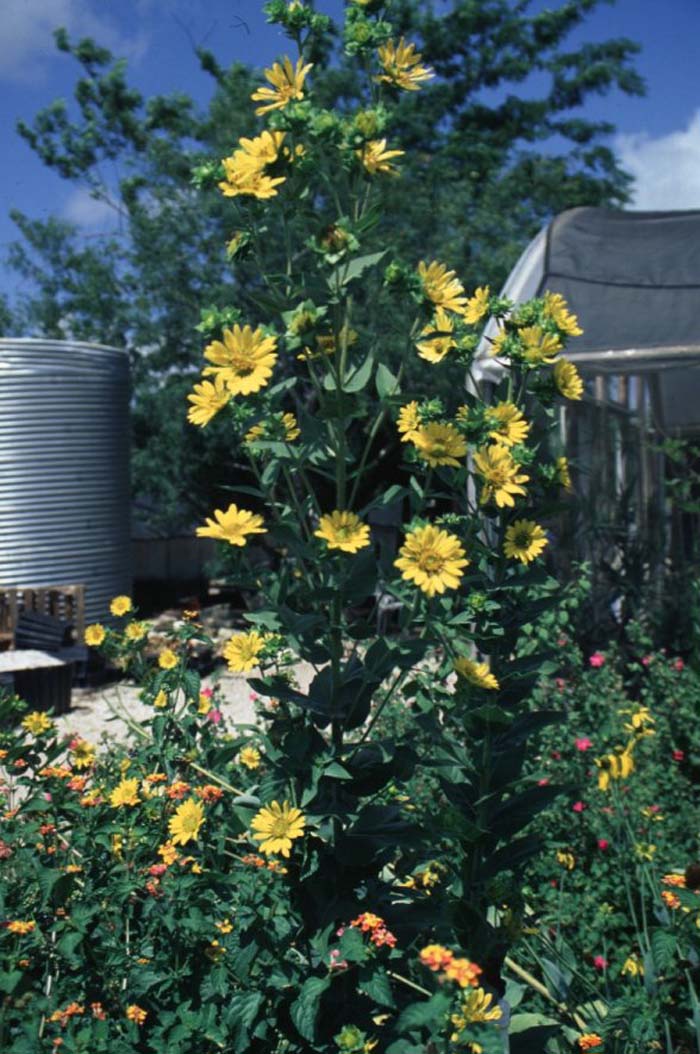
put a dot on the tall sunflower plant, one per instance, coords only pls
(396, 929)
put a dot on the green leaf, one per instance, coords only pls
(385, 381)
(304, 1010)
(240, 1015)
(337, 772)
(429, 1013)
(664, 948)
(374, 982)
(356, 381)
(348, 272)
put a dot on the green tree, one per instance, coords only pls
(484, 168)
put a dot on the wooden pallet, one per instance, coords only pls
(66, 603)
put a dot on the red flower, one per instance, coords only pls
(603, 844)
(579, 806)
(679, 665)
(596, 660)
(600, 962)
(679, 755)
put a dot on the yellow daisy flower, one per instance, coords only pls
(83, 754)
(437, 337)
(563, 474)
(244, 361)
(433, 559)
(287, 84)
(120, 606)
(376, 158)
(207, 399)
(263, 149)
(277, 826)
(167, 660)
(439, 444)
(291, 428)
(568, 379)
(477, 305)
(539, 347)
(408, 422)
(136, 631)
(477, 673)
(633, 966)
(475, 1007)
(442, 287)
(232, 526)
(168, 853)
(242, 651)
(555, 307)
(502, 476)
(184, 825)
(402, 65)
(566, 860)
(343, 530)
(161, 699)
(524, 541)
(125, 793)
(37, 722)
(95, 635)
(509, 424)
(249, 757)
(244, 176)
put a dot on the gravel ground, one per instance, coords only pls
(100, 712)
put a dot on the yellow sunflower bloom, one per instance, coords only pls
(432, 559)
(120, 606)
(502, 476)
(402, 66)
(555, 307)
(263, 149)
(125, 793)
(568, 379)
(287, 84)
(408, 422)
(442, 287)
(232, 525)
(250, 758)
(508, 424)
(244, 361)
(477, 305)
(37, 722)
(167, 660)
(184, 825)
(244, 176)
(243, 650)
(525, 540)
(563, 474)
(477, 673)
(277, 826)
(343, 530)
(439, 444)
(136, 631)
(539, 347)
(83, 754)
(376, 158)
(207, 399)
(95, 635)
(437, 338)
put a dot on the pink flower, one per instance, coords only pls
(560, 683)
(578, 806)
(584, 743)
(646, 660)
(214, 716)
(600, 962)
(596, 660)
(562, 642)
(47, 796)
(207, 692)
(340, 931)
(679, 755)
(336, 963)
(603, 844)
(543, 783)
(679, 665)
(654, 808)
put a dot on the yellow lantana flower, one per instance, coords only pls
(287, 84)
(207, 399)
(376, 158)
(402, 65)
(437, 338)
(568, 379)
(539, 347)
(477, 305)
(125, 793)
(232, 525)
(168, 660)
(432, 559)
(408, 422)
(243, 650)
(590, 1041)
(244, 361)
(442, 287)
(477, 673)
(508, 424)
(343, 530)
(555, 307)
(95, 635)
(121, 605)
(439, 444)
(502, 476)
(37, 722)
(524, 541)
(184, 825)
(277, 826)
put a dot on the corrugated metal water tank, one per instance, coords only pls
(64, 468)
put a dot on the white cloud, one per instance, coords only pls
(666, 169)
(28, 25)
(87, 211)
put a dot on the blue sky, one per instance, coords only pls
(658, 136)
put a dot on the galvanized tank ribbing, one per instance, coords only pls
(64, 468)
